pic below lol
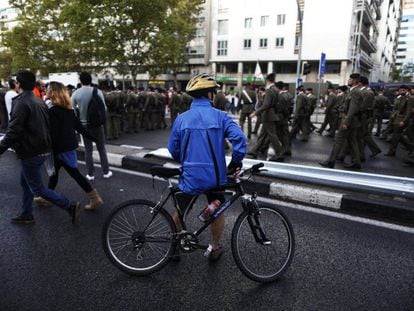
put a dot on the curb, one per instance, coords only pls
(360, 204)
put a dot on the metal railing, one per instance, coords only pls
(360, 182)
(356, 181)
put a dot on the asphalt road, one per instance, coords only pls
(52, 265)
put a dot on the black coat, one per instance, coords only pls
(63, 124)
(28, 132)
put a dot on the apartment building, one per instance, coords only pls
(267, 31)
(405, 52)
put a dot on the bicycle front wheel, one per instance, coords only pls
(135, 240)
(263, 244)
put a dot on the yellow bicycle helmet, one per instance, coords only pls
(200, 82)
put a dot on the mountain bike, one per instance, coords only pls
(139, 237)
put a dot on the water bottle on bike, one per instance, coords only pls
(209, 210)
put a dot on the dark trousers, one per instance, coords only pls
(243, 116)
(344, 136)
(32, 185)
(73, 172)
(268, 134)
(99, 135)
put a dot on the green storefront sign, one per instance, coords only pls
(246, 79)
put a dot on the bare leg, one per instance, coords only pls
(217, 228)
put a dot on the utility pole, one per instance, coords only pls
(298, 68)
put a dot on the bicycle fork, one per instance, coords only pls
(250, 205)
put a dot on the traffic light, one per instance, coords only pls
(306, 68)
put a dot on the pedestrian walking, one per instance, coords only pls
(63, 124)
(81, 99)
(29, 135)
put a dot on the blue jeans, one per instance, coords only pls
(31, 182)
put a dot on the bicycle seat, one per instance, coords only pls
(164, 172)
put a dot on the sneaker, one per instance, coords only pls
(107, 175)
(74, 211)
(90, 177)
(23, 219)
(42, 202)
(215, 254)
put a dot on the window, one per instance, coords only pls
(263, 43)
(264, 20)
(248, 22)
(281, 18)
(280, 42)
(222, 48)
(297, 41)
(247, 43)
(223, 27)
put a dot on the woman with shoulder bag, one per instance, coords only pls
(63, 123)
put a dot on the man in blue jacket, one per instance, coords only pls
(197, 142)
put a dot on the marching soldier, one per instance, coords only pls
(248, 101)
(150, 109)
(141, 100)
(175, 105)
(366, 115)
(349, 126)
(269, 118)
(312, 102)
(112, 123)
(300, 115)
(330, 113)
(260, 99)
(380, 103)
(400, 121)
(162, 103)
(132, 110)
(220, 100)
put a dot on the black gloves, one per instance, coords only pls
(233, 166)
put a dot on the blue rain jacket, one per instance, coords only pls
(197, 142)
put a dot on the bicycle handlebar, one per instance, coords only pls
(252, 170)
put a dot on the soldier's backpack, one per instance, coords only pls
(96, 114)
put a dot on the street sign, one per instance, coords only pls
(300, 82)
(322, 64)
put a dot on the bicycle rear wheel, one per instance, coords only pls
(263, 256)
(136, 241)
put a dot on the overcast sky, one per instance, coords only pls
(4, 3)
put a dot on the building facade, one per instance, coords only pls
(266, 31)
(405, 52)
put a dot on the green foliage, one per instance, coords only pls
(132, 36)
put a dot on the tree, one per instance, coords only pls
(170, 42)
(52, 35)
(131, 36)
(5, 64)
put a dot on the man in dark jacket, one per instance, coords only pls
(28, 133)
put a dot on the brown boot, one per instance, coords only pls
(42, 202)
(94, 200)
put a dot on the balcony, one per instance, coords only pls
(367, 60)
(370, 14)
(367, 44)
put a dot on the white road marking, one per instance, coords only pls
(376, 223)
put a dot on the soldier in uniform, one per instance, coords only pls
(260, 99)
(186, 101)
(175, 105)
(141, 100)
(150, 109)
(132, 111)
(366, 111)
(248, 101)
(300, 115)
(349, 126)
(220, 100)
(330, 113)
(162, 104)
(268, 122)
(283, 109)
(380, 103)
(111, 118)
(312, 102)
(400, 121)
